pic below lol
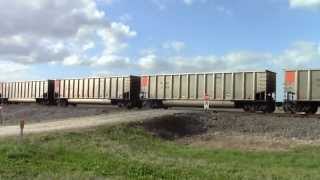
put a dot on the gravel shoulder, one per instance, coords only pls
(86, 122)
(233, 130)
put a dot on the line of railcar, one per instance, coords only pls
(251, 90)
(302, 91)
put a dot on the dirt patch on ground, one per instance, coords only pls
(33, 113)
(176, 126)
(236, 130)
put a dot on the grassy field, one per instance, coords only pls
(124, 152)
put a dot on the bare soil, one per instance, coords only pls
(236, 130)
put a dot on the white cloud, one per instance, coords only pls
(162, 4)
(149, 61)
(224, 10)
(174, 45)
(152, 63)
(300, 54)
(87, 46)
(58, 31)
(305, 4)
(190, 2)
(114, 36)
(72, 60)
(147, 51)
(232, 61)
(13, 71)
(112, 62)
(108, 2)
(125, 18)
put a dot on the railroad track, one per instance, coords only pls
(241, 112)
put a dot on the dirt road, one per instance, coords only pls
(85, 122)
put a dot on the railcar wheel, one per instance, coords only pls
(289, 108)
(285, 109)
(315, 110)
(148, 105)
(246, 108)
(63, 103)
(312, 110)
(46, 102)
(140, 105)
(129, 105)
(270, 109)
(120, 105)
(252, 108)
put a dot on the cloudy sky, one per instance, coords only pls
(42, 39)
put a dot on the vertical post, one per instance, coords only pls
(104, 87)
(69, 88)
(296, 86)
(172, 86)
(99, 86)
(123, 89)
(22, 122)
(243, 85)
(164, 86)
(156, 88)
(110, 87)
(196, 82)
(233, 87)
(223, 86)
(205, 84)
(117, 87)
(148, 93)
(73, 88)
(25, 89)
(1, 116)
(309, 85)
(267, 87)
(213, 86)
(206, 105)
(254, 85)
(188, 86)
(180, 84)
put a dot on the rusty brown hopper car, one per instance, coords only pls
(250, 90)
(302, 90)
(27, 91)
(117, 90)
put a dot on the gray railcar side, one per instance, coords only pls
(26, 91)
(302, 90)
(116, 90)
(253, 90)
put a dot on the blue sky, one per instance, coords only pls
(78, 38)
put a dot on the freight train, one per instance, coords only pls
(302, 91)
(250, 90)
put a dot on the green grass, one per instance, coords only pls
(123, 152)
